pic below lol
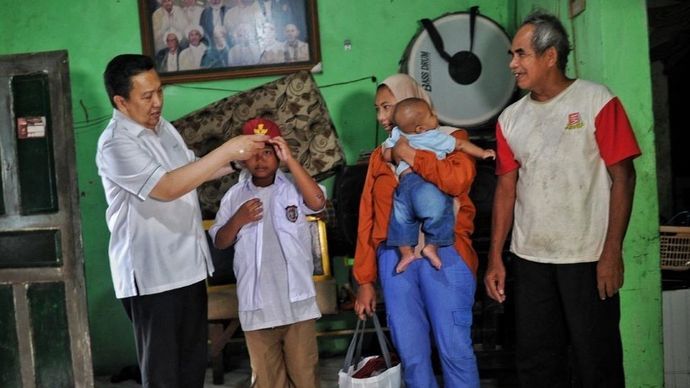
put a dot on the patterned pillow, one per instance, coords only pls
(293, 102)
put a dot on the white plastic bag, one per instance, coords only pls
(389, 378)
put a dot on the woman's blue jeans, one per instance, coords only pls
(424, 303)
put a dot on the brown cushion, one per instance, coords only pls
(293, 102)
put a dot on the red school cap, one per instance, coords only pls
(261, 126)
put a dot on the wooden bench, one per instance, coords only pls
(223, 322)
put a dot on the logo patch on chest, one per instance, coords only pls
(574, 121)
(291, 213)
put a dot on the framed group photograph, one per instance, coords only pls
(199, 40)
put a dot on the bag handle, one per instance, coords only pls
(382, 342)
(353, 344)
(354, 350)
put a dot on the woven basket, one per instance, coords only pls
(675, 247)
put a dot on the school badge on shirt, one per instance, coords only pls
(291, 213)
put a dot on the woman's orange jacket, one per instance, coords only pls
(453, 175)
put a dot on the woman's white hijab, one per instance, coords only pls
(404, 86)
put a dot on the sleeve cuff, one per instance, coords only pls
(153, 180)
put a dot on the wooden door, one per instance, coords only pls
(44, 336)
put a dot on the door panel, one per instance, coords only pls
(44, 337)
(36, 171)
(10, 374)
(50, 334)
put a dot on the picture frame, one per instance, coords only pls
(240, 38)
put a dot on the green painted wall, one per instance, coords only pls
(95, 31)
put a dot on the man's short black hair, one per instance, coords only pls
(119, 72)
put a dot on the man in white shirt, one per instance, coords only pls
(168, 59)
(212, 17)
(565, 187)
(190, 58)
(247, 13)
(168, 16)
(273, 51)
(159, 257)
(245, 50)
(192, 11)
(295, 49)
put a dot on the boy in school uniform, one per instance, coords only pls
(264, 217)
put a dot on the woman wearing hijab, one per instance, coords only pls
(421, 303)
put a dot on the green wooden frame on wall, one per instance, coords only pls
(301, 14)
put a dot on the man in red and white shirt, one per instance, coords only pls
(565, 186)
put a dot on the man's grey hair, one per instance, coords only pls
(549, 32)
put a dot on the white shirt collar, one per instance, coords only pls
(246, 178)
(131, 125)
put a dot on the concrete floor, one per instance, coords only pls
(239, 375)
(238, 372)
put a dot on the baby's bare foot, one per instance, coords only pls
(405, 260)
(431, 252)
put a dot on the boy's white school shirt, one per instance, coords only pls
(294, 238)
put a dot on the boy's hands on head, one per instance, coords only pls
(489, 154)
(249, 211)
(313, 197)
(282, 148)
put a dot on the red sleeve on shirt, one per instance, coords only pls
(505, 160)
(614, 134)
